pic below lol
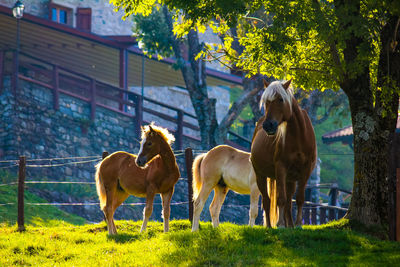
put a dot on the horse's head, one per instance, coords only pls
(153, 139)
(277, 103)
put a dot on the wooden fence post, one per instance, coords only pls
(306, 214)
(322, 215)
(332, 214)
(333, 201)
(92, 99)
(56, 85)
(139, 114)
(179, 130)
(398, 204)
(314, 215)
(189, 163)
(333, 194)
(2, 58)
(21, 187)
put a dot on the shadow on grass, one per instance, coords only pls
(124, 238)
(245, 246)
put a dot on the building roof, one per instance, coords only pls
(345, 135)
(93, 55)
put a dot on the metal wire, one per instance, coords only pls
(94, 203)
(8, 161)
(5, 204)
(66, 158)
(57, 182)
(6, 167)
(63, 164)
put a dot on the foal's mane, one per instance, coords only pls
(163, 132)
(274, 90)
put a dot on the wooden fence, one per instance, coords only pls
(313, 213)
(98, 94)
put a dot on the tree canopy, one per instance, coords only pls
(322, 44)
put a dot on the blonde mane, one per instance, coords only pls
(270, 93)
(274, 90)
(168, 137)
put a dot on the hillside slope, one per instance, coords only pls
(229, 245)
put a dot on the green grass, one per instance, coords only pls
(35, 215)
(229, 245)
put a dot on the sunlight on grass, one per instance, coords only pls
(64, 244)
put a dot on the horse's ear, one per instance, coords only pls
(287, 84)
(266, 84)
(151, 129)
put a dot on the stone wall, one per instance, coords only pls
(31, 127)
(179, 98)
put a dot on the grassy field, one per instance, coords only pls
(34, 215)
(229, 245)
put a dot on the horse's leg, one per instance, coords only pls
(166, 202)
(148, 209)
(262, 186)
(198, 204)
(119, 197)
(301, 187)
(108, 209)
(290, 189)
(280, 172)
(215, 207)
(254, 196)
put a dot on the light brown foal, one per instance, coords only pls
(153, 171)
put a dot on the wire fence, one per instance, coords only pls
(310, 209)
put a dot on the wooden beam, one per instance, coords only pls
(123, 70)
(2, 58)
(189, 164)
(21, 187)
(92, 99)
(14, 80)
(56, 88)
(179, 130)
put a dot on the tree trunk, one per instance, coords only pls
(369, 199)
(372, 129)
(194, 75)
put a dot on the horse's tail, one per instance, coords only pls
(197, 182)
(273, 197)
(101, 191)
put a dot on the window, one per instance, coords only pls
(60, 14)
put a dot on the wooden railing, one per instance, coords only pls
(99, 94)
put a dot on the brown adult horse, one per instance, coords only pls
(284, 149)
(119, 176)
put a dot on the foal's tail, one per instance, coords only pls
(273, 211)
(197, 182)
(101, 191)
